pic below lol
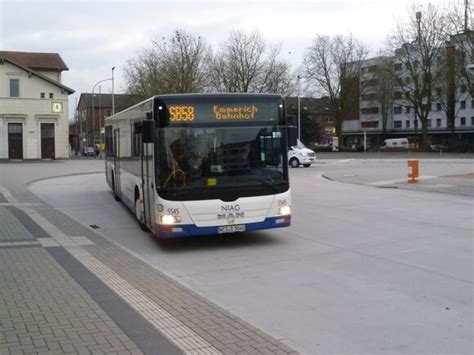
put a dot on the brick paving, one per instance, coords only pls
(42, 310)
(49, 305)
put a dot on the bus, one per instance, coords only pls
(201, 164)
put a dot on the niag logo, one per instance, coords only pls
(230, 213)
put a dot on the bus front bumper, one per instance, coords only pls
(188, 230)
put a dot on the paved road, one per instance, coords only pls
(362, 269)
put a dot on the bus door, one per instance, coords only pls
(116, 176)
(148, 173)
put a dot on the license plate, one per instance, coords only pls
(232, 229)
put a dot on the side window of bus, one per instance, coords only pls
(109, 148)
(137, 139)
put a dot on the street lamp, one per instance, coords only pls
(113, 97)
(299, 109)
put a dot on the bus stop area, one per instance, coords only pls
(67, 289)
(371, 264)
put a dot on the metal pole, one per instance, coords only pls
(365, 141)
(93, 118)
(113, 94)
(466, 6)
(299, 110)
(100, 111)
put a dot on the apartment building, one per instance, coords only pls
(385, 112)
(33, 106)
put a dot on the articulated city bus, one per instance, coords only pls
(201, 164)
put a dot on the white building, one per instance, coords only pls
(400, 118)
(33, 106)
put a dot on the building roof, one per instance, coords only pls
(36, 61)
(105, 100)
(39, 75)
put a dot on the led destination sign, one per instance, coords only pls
(223, 112)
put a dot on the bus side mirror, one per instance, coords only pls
(148, 131)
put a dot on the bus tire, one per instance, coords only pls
(294, 163)
(138, 210)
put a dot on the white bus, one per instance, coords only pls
(201, 164)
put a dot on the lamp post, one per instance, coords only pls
(113, 98)
(113, 94)
(299, 109)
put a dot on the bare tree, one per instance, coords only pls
(332, 66)
(245, 63)
(454, 83)
(385, 90)
(418, 44)
(177, 65)
(461, 39)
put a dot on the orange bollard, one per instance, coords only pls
(413, 172)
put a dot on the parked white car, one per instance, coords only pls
(300, 155)
(395, 143)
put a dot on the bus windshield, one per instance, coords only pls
(220, 162)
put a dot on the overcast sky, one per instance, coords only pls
(92, 37)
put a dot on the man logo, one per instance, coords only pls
(230, 217)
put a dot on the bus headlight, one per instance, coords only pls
(284, 210)
(170, 219)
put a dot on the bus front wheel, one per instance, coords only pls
(139, 212)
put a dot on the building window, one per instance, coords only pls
(371, 83)
(472, 121)
(463, 89)
(407, 109)
(463, 104)
(438, 122)
(397, 124)
(438, 92)
(369, 110)
(42, 95)
(51, 95)
(397, 110)
(407, 123)
(14, 87)
(370, 124)
(398, 95)
(438, 107)
(429, 123)
(472, 103)
(463, 121)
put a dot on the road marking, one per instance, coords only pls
(174, 330)
(397, 181)
(8, 196)
(19, 243)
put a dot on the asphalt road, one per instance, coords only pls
(361, 270)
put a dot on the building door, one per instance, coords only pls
(47, 141)
(15, 141)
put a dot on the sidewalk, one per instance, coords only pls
(67, 289)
